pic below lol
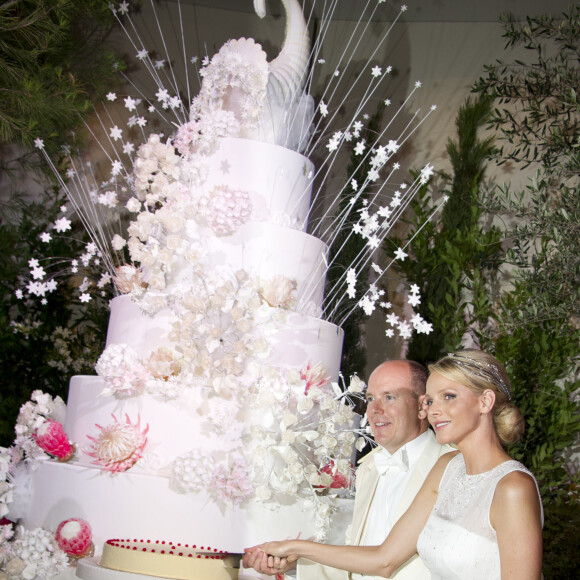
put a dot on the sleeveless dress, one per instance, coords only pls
(458, 542)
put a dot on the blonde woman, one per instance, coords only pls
(478, 514)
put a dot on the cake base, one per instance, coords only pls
(89, 569)
(168, 560)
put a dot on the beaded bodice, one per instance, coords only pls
(458, 541)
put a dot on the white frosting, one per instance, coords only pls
(133, 505)
(175, 426)
(278, 180)
(264, 250)
(294, 339)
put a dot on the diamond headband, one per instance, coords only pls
(486, 371)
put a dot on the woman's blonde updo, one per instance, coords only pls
(479, 371)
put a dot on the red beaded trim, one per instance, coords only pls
(207, 553)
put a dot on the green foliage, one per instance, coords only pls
(538, 329)
(532, 324)
(561, 548)
(455, 259)
(52, 63)
(537, 106)
(42, 345)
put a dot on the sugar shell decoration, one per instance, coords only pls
(52, 439)
(74, 536)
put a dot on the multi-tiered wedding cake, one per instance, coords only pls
(213, 419)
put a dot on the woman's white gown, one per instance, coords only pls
(458, 542)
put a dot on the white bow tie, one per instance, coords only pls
(399, 460)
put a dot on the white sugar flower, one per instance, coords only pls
(118, 243)
(405, 330)
(133, 205)
(360, 148)
(130, 103)
(62, 225)
(400, 254)
(124, 374)
(115, 133)
(356, 385)
(414, 299)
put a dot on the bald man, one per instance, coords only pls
(389, 477)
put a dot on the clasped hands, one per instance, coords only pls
(270, 558)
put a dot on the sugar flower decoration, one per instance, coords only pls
(118, 446)
(162, 364)
(227, 481)
(127, 279)
(278, 292)
(314, 376)
(337, 479)
(225, 209)
(35, 554)
(124, 374)
(52, 439)
(74, 537)
(32, 416)
(235, 80)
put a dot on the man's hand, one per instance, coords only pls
(258, 560)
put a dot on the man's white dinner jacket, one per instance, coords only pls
(367, 478)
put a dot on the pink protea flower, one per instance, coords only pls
(314, 377)
(74, 537)
(118, 446)
(50, 437)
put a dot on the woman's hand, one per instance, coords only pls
(273, 556)
(257, 559)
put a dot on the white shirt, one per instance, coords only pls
(390, 488)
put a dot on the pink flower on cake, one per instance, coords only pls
(279, 292)
(225, 209)
(52, 439)
(73, 536)
(316, 376)
(118, 446)
(231, 482)
(340, 480)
